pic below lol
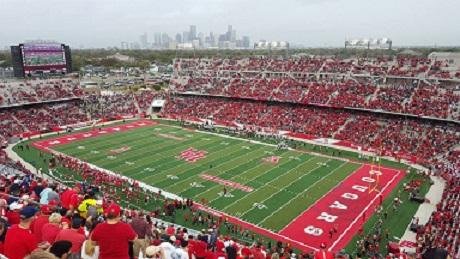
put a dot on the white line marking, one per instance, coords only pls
(300, 193)
(283, 189)
(362, 211)
(283, 174)
(232, 159)
(326, 194)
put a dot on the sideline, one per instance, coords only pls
(434, 195)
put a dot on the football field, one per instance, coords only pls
(268, 188)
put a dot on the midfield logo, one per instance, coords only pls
(272, 159)
(192, 155)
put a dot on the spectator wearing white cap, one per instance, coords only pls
(152, 252)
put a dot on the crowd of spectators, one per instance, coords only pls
(314, 121)
(110, 105)
(144, 98)
(443, 227)
(43, 218)
(45, 117)
(400, 66)
(433, 101)
(32, 91)
(386, 135)
(116, 104)
(81, 222)
(343, 83)
(39, 118)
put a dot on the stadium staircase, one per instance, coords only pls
(276, 90)
(342, 127)
(136, 104)
(409, 100)
(19, 123)
(321, 68)
(304, 93)
(330, 97)
(373, 96)
(429, 68)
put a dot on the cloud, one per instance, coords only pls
(310, 22)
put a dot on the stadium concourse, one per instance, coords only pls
(405, 108)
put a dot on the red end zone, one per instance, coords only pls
(346, 208)
(45, 144)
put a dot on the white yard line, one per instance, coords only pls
(300, 193)
(274, 234)
(234, 158)
(276, 178)
(363, 210)
(236, 176)
(280, 190)
(160, 157)
(167, 171)
(337, 185)
(212, 188)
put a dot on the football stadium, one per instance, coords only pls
(264, 152)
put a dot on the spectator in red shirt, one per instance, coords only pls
(69, 198)
(257, 251)
(3, 228)
(199, 248)
(13, 214)
(40, 221)
(323, 253)
(113, 235)
(19, 241)
(73, 235)
(170, 230)
(52, 228)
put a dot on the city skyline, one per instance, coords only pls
(190, 39)
(313, 23)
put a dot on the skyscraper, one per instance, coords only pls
(185, 37)
(165, 40)
(124, 45)
(246, 41)
(157, 40)
(143, 41)
(178, 38)
(229, 32)
(192, 33)
(233, 36)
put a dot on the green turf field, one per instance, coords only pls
(281, 191)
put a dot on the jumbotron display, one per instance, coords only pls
(39, 58)
(43, 55)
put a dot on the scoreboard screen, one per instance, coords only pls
(41, 58)
(47, 56)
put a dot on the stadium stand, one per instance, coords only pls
(381, 84)
(33, 91)
(299, 95)
(144, 98)
(386, 135)
(110, 106)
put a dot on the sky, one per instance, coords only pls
(311, 23)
